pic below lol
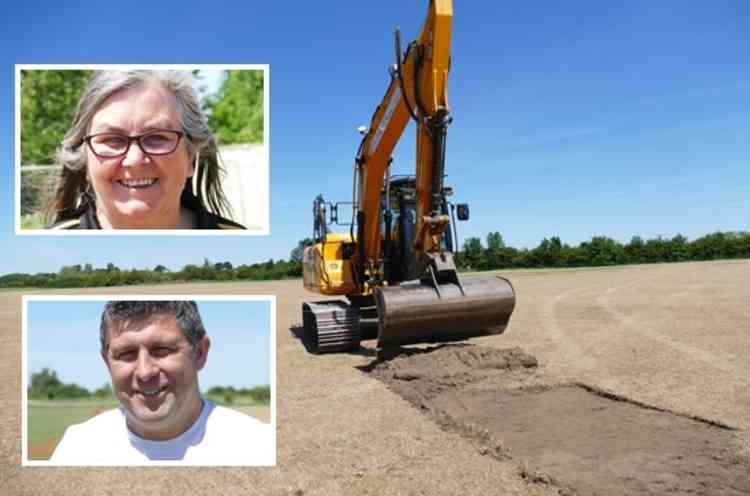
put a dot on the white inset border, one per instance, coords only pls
(261, 195)
(26, 299)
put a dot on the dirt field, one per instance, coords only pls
(669, 340)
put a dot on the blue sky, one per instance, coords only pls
(574, 120)
(239, 332)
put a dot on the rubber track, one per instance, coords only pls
(333, 325)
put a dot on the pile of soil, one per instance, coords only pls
(419, 375)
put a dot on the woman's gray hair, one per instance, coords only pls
(73, 185)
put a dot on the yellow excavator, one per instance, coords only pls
(395, 265)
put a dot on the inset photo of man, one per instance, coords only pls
(148, 381)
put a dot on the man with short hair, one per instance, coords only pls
(154, 350)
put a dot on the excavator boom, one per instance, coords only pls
(418, 89)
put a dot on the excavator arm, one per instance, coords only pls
(418, 90)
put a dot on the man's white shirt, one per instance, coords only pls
(220, 436)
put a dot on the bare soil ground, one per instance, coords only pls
(262, 413)
(672, 337)
(572, 437)
(44, 450)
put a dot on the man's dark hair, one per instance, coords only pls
(130, 312)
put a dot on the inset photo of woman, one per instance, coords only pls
(164, 149)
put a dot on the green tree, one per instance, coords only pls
(295, 257)
(635, 251)
(236, 113)
(602, 250)
(497, 254)
(548, 253)
(296, 254)
(657, 250)
(678, 248)
(44, 384)
(223, 266)
(104, 392)
(743, 244)
(473, 254)
(48, 103)
(495, 241)
(260, 394)
(70, 391)
(70, 269)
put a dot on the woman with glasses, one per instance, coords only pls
(139, 156)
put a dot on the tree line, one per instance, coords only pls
(552, 252)
(76, 276)
(228, 395)
(45, 385)
(601, 250)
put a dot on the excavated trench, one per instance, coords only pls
(570, 437)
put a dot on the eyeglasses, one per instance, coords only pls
(156, 142)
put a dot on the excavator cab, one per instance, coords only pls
(399, 202)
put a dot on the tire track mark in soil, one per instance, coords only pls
(568, 348)
(599, 335)
(669, 362)
(585, 341)
(648, 331)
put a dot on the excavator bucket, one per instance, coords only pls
(415, 312)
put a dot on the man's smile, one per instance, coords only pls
(150, 393)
